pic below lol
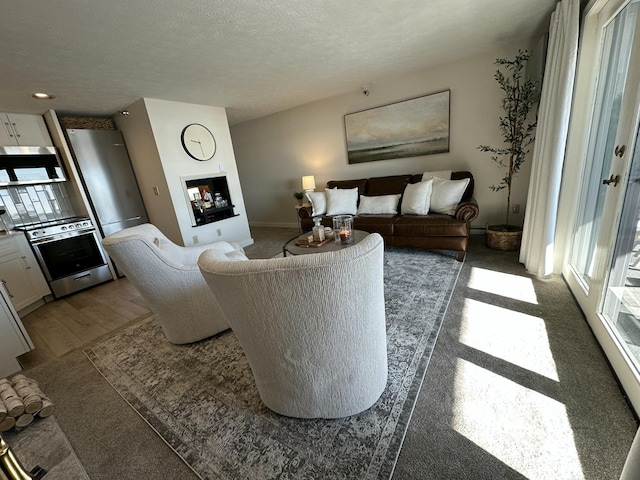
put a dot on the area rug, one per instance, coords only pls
(202, 400)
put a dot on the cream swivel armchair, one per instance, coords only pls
(312, 326)
(167, 277)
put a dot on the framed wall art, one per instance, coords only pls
(419, 126)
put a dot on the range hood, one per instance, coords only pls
(30, 166)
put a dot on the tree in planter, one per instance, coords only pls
(519, 97)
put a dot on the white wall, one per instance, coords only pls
(275, 151)
(152, 133)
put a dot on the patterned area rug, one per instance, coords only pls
(202, 400)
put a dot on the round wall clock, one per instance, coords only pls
(198, 142)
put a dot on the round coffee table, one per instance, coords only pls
(293, 249)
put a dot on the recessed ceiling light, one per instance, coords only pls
(42, 96)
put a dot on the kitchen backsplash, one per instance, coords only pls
(36, 203)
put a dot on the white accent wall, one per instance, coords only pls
(274, 152)
(152, 134)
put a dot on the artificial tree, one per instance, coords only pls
(519, 96)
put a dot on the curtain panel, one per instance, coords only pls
(539, 252)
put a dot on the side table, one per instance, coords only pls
(298, 208)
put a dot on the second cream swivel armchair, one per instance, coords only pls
(312, 326)
(168, 278)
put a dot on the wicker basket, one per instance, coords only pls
(500, 238)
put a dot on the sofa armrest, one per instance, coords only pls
(467, 210)
(305, 211)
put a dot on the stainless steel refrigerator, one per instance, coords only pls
(107, 176)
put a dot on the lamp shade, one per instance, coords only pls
(308, 182)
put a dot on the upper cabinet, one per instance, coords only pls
(23, 129)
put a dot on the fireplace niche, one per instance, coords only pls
(209, 198)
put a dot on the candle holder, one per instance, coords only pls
(343, 229)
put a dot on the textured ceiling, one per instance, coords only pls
(252, 57)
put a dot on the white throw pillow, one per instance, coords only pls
(445, 174)
(378, 205)
(342, 201)
(447, 194)
(417, 198)
(318, 202)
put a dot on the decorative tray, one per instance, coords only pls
(305, 243)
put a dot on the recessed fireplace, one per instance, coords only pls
(209, 199)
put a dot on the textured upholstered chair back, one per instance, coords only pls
(312, 326)
(168, 278)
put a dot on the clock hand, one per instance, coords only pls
(199, 143)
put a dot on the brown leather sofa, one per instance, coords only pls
(432, 231)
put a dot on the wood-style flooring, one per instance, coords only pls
(79, 319)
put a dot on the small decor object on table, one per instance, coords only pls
(343, 229)
(318, 230)
(299, 196)
(308, 241)
(219, 202)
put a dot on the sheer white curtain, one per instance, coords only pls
(538, 251)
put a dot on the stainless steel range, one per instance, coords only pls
(69, 253)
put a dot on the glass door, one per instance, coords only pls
(603, 241)
(615, 56)
(621, 308)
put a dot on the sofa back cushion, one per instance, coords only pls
(361, 184)
(390, 185)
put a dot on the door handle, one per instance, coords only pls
(619, 151)
(15, 129)
(7, 126)
(615, 180)
(4, 282)
(24, 261)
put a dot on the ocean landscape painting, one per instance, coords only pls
(410, 128)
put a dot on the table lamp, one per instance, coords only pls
(308, 183)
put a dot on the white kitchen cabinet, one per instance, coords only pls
(20, 273)
(24, 129)
(14, 339)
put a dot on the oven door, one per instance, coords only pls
(72, 262)
(62, 257)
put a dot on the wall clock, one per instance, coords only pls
(198, 142)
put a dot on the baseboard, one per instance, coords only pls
(477, 231)
(273, 225)
(34, 306)
(246, 242)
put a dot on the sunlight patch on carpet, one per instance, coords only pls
(512, 336)
(503, 284)
(526, 430)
